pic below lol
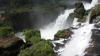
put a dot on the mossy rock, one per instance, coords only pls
(95, 11)
(79, 5)
(79, 12)
(62, 34)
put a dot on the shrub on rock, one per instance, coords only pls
(95, 11)
(79, 12)
(62, 34)
(6, 32)
(31, 35)
(39, 49)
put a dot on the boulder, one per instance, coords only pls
(62, 34)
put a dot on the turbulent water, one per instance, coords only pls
(81, 37)
(79, 42)
(60, 23)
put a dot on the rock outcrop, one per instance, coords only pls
(95, 11)
(94, 48)
(79, 12)
(62, 34)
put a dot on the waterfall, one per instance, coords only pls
(81, 37)
(79, 42)
(94, 2)
(60, 23)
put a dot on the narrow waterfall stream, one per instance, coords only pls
(81, 37)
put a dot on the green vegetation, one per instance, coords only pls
(39, 47)
(79, 12)
(59, 34)
(6, 32)
(98, 20)
(23, 11)
(34, 5)
(95, 11)
(82, 19)
(18, 10)
(32, 34)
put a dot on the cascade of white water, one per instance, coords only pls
(79, 42)
(88, 5)
(49, 31)
(94, 2)
(61, 21)
(81, 38)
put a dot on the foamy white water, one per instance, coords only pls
(49, 31)
(79, 42)
(88, 5)
(94, 2)
(81, 38)
(75, 21)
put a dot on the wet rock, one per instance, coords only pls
(71, 28)
(79, 12)
(96, 35)
(58, 45)
(95, 12)
(97, 25)
(94, 48)
(62, 34)
(90, 54)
